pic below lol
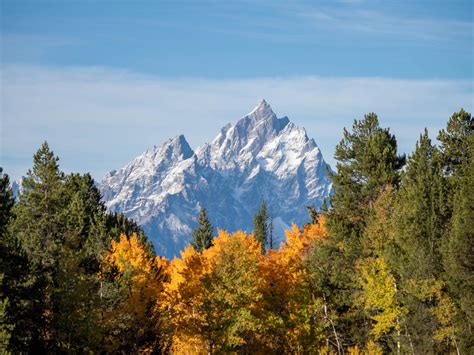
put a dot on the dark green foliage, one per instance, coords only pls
(367, 160)
(6, 201)
(52, 221)
(64, 230)
(420, 212)
(458, 246)
(418, 221)
(459, 260)
(260, 225)
(40, 220)
(19, 290)
(202, 234)
(15, 307)
(455, 145)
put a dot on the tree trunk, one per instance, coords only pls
(333, 327)
(209, 348)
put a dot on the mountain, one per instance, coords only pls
(260, 157)
(17, 188)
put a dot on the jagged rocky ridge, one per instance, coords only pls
(260, 157)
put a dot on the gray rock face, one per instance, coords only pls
(260, 157)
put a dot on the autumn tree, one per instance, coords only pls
(132, 285)
(292, 310)
(379, 296)
(214, 297)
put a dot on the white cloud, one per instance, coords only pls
(97, 119)
(352, 21)
(383, 23)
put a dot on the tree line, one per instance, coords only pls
(386, 267)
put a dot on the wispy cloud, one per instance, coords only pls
(97, 119)
(313, 22)
(381, 23)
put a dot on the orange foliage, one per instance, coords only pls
(231, 295)
(299, 243)
(139, 282)
(208, 289)
(130, 257)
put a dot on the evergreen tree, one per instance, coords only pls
(52, 222)
(458, 246)
(39, 226)
(260, 225)
(52, 298)
(367, 160)
(455, 143)
(419, 218)
(17, 315)
(6, 203)
(458, 260)
(39, 218)
(202, 235)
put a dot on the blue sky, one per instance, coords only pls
(104, 80)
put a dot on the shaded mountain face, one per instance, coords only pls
(260, 157)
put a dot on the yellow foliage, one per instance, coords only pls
(139, 281)
(286, 287)
(299, 243)
(380, 229)
(231, 296)
(130, 257)
(209, 291)
(354, 350)
(184, 295)
(379, 292)
(371, 349)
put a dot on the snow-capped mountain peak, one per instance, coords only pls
(176, 148)
(259, 157)
(261, 111)
(244, 139)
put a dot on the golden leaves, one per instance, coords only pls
(379, 295)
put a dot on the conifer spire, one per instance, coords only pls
(202, 235)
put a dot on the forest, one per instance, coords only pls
(385, 266)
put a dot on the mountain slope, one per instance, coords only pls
(260, 157)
